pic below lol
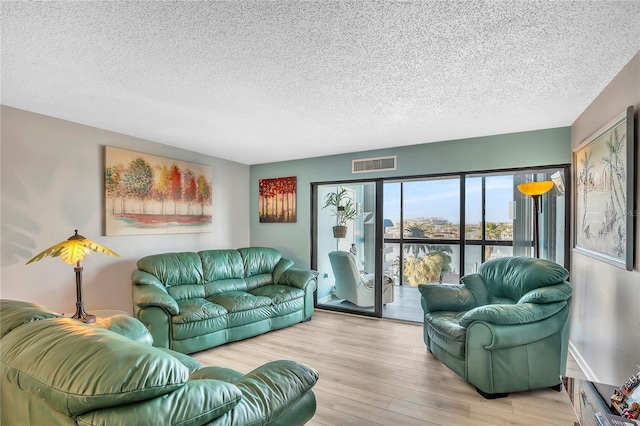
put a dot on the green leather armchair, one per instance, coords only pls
(503, 329)
(58, 371)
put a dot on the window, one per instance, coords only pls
(423, 241)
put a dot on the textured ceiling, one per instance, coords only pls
(264, 81)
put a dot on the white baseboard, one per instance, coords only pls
(324, 299)
(582, 363)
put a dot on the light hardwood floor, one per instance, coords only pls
(378, 372)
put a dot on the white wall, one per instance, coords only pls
(52, 183)
(605, 321)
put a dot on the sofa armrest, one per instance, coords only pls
(198, 402)
(298, 277)
(152, 295)
(511, 314)
(445, 297)
(271, 390)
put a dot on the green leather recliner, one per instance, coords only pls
(503, 329)
(195, 301)
(59, 371)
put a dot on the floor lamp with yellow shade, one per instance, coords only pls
(535, 190)
(72, 251)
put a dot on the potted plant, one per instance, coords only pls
(343, 209)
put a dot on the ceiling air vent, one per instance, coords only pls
(378, 164)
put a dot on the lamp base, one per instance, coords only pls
(81, 315)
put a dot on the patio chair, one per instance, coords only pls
(353, 286)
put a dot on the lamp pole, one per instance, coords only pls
(81, 314)
(536, 213)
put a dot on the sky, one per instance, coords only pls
(441, 198)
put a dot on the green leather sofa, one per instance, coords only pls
(195, 301)
(59, 371)
(503, 329)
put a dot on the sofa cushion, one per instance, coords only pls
(285, 300)
(173, 268)
(197, 317)
(223, 286)
(282, 266)
(444, 330)
(14, 313)
(186, 291)
(78, 367)
(259, 280)
(238, 301)
(197, 309)
(221, 264)
(278, 293)
(259, 260)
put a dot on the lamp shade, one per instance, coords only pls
(73, 250)
(535, 188)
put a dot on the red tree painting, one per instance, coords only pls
(277, 199)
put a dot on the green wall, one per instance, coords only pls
(525, 149)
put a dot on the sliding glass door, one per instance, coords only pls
(431, 229)
(349, 274)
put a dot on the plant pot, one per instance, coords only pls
(339, 231)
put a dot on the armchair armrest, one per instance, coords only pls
(298, 277)
(271, 389)
(511, 314)
(148, 291)
(490, 336)
(126, 326)
(445, 297)
(196, 402)
(550, 294)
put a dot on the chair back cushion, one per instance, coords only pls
(344, 269)
(14, 313)
(512, 277)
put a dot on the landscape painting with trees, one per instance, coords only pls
(603, 194)
(277, 199)
(146, 194)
